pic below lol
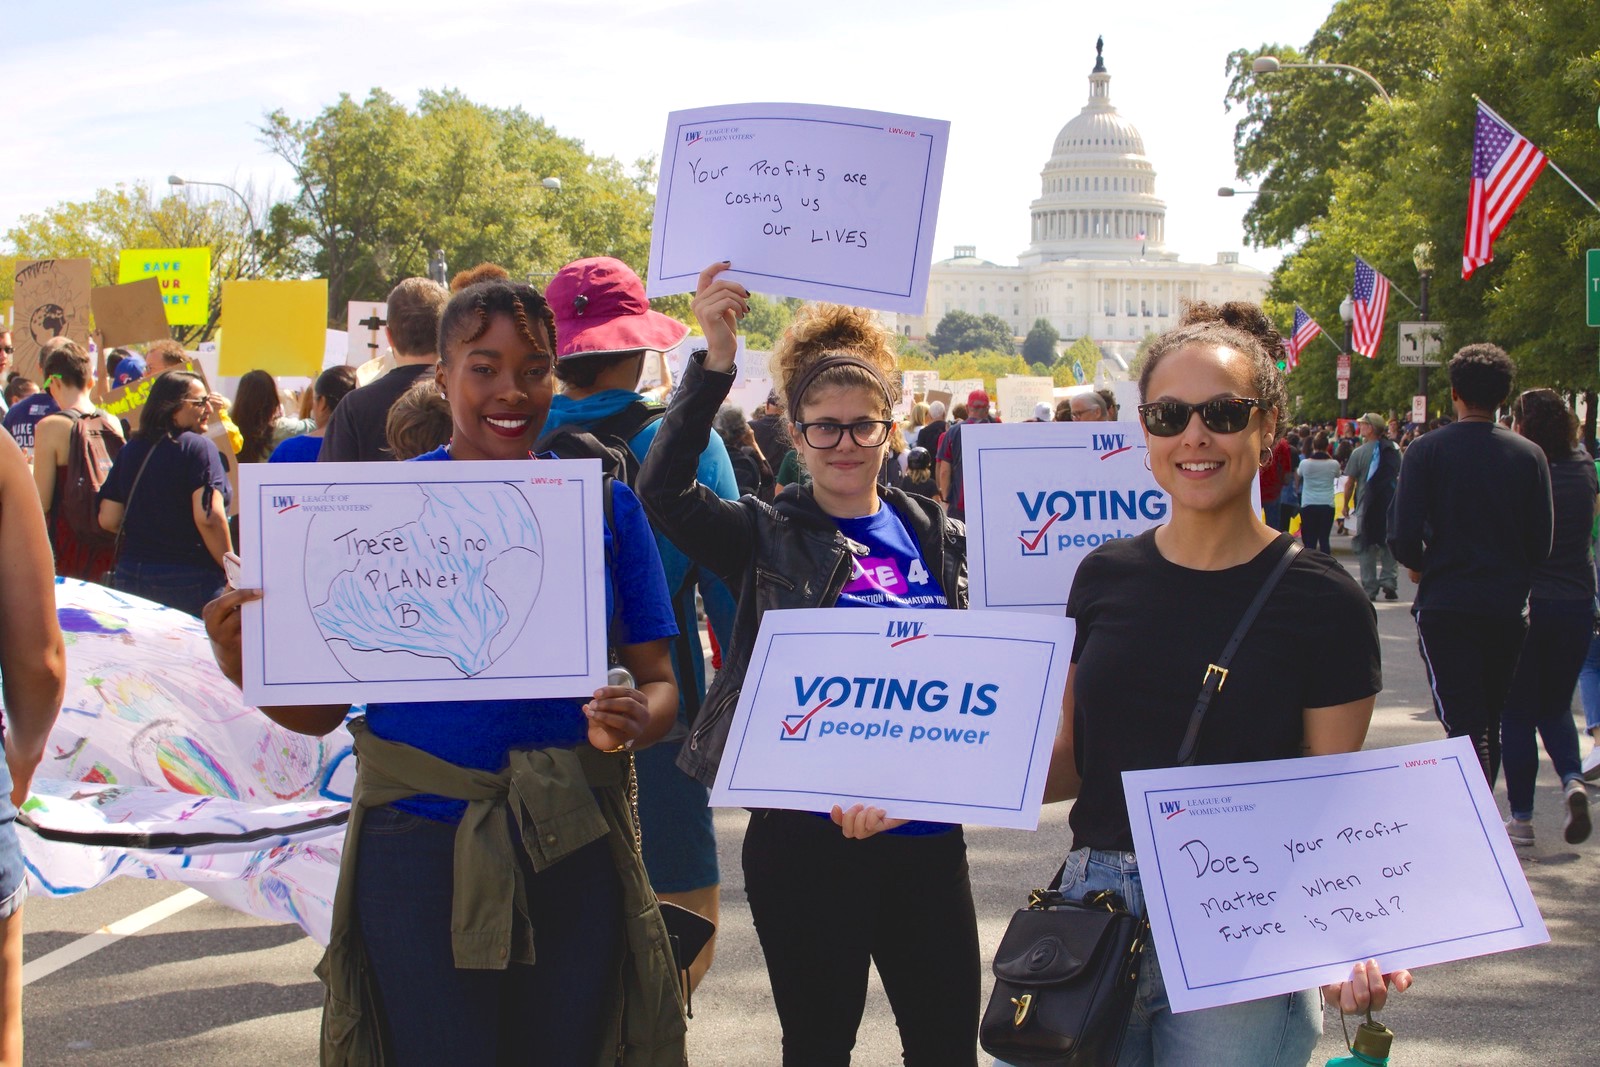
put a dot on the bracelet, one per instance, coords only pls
(626, 746)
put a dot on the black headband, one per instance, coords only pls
(827, 363)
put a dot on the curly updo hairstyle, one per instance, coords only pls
(1542, 416)
(1238, 325)
(485, 291)
(822, 330)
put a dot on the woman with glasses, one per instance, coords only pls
(1302, 683)
(166, 498)
(831, 894)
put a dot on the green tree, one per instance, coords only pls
(962, 331)
(379, 186)
(1040, 344)
(766, 320)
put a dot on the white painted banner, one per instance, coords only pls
(422, 581)
(1265, 878)
(825, 203)
(927, 714)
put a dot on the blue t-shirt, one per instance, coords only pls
(892, 574)
(481, 733)
(301, 449)
(158, 516)
(25, 415)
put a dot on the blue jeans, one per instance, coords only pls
(551, 1012)
(1559, 633)
(1273, 1032)
(177, 585)
(13, 873)
(1589, 685)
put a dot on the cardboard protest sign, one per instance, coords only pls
(826, 203)
(1016, 395)
(943, 396)
(1266, 878)
(52, 300)
(927, 714)
(128, 401)
(364, 325)
(278, 327)
(422, 581)
(129, 314)
(184, 275)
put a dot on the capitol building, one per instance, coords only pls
(1098, 266)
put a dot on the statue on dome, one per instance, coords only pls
(1099, 55)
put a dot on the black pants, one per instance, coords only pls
(1471, 660)
(826, 907)
(1316, 523)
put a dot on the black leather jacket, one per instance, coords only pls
(787, 554)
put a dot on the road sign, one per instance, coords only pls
(1419, 410)
(1420, 344)
(1592, 287)
(1344, 389)
(1343, 373)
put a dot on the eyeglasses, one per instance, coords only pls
(868, 433)
(1169, 418)
(198, 402)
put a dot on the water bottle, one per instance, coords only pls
(1369, 1049)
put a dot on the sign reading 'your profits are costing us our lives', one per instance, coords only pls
(927, 714)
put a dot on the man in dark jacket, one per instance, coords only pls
(928, 436)
(772, 431)
(1371, 471)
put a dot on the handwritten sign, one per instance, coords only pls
(1265, 878)
(423, 581)
(1017, 394)
(927, 714)
(916, 383)
(185, 277)
(52, 300)
(826, 203)
(278, 327)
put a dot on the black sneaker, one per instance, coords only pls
(1577, 826)
(1390, 594)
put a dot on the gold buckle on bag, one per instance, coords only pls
(1023, 1003)
(1210, 668)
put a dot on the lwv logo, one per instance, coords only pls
(283, 503)
(1169, 808)
(1109, 444)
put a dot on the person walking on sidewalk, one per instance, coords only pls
(1472, 521)
(1370, 479)
(1560, 623)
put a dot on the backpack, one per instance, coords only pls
(91, 449)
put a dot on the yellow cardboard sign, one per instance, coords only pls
(185, 276)
(278, 327)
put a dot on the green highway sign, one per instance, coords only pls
(1592, 288)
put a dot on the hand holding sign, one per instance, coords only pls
(719, 304)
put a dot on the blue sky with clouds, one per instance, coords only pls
(102, 93)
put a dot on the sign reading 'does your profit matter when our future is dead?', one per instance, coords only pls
(1266, 878)
(927, 714)
(826, 203)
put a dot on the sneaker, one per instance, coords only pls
(1390, 594)
(1591, 763)
(1520, 831)
(1577, 825)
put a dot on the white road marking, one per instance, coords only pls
(108, 935)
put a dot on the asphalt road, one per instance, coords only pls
(208, 985)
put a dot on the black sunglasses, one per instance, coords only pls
(1169, 418)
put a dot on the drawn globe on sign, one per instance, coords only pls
(48, 321)
(440, 597)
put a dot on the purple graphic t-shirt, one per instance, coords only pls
(893, 573)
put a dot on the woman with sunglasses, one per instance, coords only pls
(1303, 682)
(167, 497)
(833, 894)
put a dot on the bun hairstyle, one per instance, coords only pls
(485, 291)
(821, 331)
(1238, 325)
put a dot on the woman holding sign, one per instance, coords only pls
(1212, 400)
(492, 905)
(829, 898)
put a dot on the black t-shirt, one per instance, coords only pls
(158, 523)
(1146, 630)
(1569, 572)
(356, 431)
(928, 436)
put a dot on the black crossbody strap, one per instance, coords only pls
(1217, 673)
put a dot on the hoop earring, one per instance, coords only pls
(1147, 460)
(1266, 458)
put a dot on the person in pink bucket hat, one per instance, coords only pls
(604, 330)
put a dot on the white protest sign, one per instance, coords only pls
(335, 348)
(1265, 878)
(916, 383)
(1016, 395)
(422, 581)
(963, 388)
(364, 324)
(826, 203)
(927, 714)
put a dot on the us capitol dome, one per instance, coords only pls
(1097, 265)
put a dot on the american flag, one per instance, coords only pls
(1304, 332)
(1504, 166)
(1370, 295)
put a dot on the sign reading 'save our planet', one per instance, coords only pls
(826, 203)
(927, 714)
(1266, 878)
(185, 277)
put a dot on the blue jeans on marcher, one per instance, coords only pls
(1272, 1032)
(1559, 636)
(1589, 685)
(183, 586)
(551, 1012)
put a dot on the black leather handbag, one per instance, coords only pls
(1066, 971)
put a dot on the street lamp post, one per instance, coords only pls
(1347, 312)
(1228, 190)
(177, 182)
(1271, 64)
(1422, 257)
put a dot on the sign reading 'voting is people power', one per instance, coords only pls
(927, 714)
(826, 203)
(1265, 878)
